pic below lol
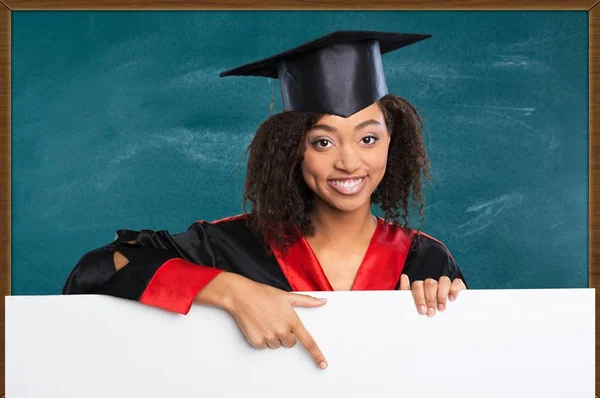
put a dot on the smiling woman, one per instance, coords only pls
(344, 163)
(342, 144)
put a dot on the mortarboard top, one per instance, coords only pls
(339, 74)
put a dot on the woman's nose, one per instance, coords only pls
(349, 160)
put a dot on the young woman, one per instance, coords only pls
(341, 145)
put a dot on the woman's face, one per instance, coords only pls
(345, 158)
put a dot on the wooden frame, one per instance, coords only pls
(7, 6)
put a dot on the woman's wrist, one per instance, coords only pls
(220, 292)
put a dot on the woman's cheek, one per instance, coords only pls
(380, 161)
(308, 173)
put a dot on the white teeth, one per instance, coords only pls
(347, 183)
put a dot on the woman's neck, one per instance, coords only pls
(342, 226)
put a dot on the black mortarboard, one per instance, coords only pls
(339, 74)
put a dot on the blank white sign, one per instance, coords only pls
(488, 343)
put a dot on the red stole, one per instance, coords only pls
(380, 269)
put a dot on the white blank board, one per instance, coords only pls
(488, 343)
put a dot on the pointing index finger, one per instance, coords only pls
(310, 344)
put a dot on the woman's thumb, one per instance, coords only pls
(303, 300)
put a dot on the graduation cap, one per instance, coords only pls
(339, 74)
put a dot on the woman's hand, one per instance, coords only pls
(265, 314)
(431, 294)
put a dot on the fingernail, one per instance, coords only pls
(323, 299)
(430, 312)
(323, 365)
(422, 309)
(441, 307)
(451, 298)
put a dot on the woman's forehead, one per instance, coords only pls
(372, 112)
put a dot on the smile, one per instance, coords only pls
(348, 186)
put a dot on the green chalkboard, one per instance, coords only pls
(121, 121)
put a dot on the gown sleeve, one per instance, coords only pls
(164, 270)
(430, 258)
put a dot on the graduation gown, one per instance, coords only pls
(167, 271)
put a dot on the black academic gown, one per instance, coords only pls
(167, 271)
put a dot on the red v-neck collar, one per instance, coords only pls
(380, 268)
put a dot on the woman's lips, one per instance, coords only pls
(348, 186)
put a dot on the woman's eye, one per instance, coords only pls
(371, 139)
(322, 143)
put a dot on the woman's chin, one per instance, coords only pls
(349, 205)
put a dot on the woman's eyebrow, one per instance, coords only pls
(366, 123)
(324, 127)
(331, 129)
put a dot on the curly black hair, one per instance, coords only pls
(281, 201)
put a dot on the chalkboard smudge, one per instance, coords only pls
(129, 152)
(128, 64)
(220, 149)
(82, 226)
(520, 62)
(207, 147)
(527, 111)
(511, 61)
(428, 70)
(528, 127)
(194, 78)
(532, 44)
(486, 212)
